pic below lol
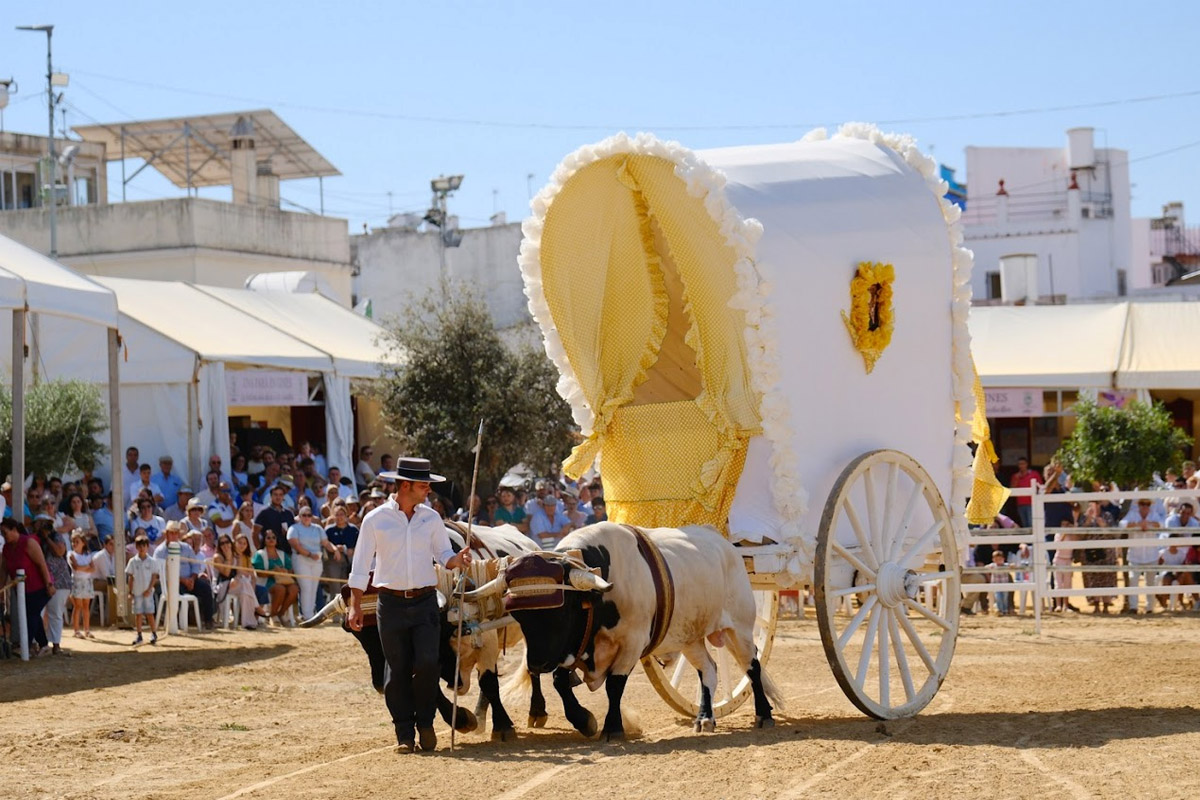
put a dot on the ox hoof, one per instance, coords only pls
(589, 727)
(706, 725)
(507, 735)
(764, 722)
(613, 736)
(466, 722)
(539, 722)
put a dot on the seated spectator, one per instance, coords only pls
(168, 481)
(145, 484)
(221, 512)
(177, 511)
(103, 573)
(301, 489)
(192, 577)
(571, 510)
(238, 472)
(488, 515)
(281, 589)
(343, 536)
(195, 521)
(147, 522)
(363, 473)
(547, 524)
(208, 495)
(509, 511)
(102, 515)
(235, 579)
(1184, 516)
(599, 511)
(244, 525)
(344, 485)
(1172, 556)
(276, 518)
(76, 517)
(331, 496)
(214, 465)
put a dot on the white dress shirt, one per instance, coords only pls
(402, 550)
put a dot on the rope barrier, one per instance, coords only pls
(257, 572)
(10, 584)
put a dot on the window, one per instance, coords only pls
(993, 285)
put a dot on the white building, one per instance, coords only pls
(1049, 224)
(1166, 255)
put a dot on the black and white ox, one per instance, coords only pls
(478, 652)
(629, 594)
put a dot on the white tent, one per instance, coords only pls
(1160, 347)
(352, 341)
(292, 282)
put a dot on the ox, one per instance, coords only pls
(631, 594)
(479, 652)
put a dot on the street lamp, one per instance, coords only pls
(52, 80)
(443, 186)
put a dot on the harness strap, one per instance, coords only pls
(588, 632)
(664, 587)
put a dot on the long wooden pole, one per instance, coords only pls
(462, 588)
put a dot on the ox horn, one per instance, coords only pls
(496, 586)
(587, 581)
(335, 606)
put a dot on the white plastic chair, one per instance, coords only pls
(186, 602)
(231, 610)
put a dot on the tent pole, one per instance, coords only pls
(118, 473)
(18, 412)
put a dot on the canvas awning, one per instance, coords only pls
(1160, 347)
(214, 330)
(30, 280)
(348, 338)
(1048, 346)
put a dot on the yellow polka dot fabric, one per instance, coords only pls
(987, 493)
(618, 233)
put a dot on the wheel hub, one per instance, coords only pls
(894, 583)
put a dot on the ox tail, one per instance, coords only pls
(770, 688)
(517, 688)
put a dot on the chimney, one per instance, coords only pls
(1002, 204)
(1081, 148)
(244, 163)
(1074, 204)
(267, 192)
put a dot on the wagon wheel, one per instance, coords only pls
(886, 556)
(677, 682)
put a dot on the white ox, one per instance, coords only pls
(603, 624)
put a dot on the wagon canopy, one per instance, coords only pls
(709, 364)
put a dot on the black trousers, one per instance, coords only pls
(408, 631)
(204, 594)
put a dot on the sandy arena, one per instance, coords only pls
(1095, 707)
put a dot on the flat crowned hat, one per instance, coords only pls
(412, 469)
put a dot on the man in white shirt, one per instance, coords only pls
(403, 538)
(1143, 521)
(363, 474)
(221, 511)
(132, 472)
(144, 483)
(208, 495)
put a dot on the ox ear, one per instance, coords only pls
(588, 582)
(492, 588)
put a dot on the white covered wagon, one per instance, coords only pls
(773, 340)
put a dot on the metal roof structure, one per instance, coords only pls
(197, 151)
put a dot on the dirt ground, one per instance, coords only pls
(1094, 707)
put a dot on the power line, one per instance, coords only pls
(577, 126)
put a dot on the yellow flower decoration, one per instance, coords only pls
(871, 316)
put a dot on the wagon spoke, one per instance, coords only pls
(868, 572)
(909, 510)
(917, 644)
(925, 612)
(864, 658)
(857, 621)
(866, 587)
(861, 535)
(930, 577)
(884, 661)
(919, 545)
(901, 658)
(873, 520)
(889, 500)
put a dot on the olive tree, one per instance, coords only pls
(455, 370)
(1125, 446)
(64, 421)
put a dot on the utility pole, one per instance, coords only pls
(53, 161)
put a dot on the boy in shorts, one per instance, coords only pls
(142, 574)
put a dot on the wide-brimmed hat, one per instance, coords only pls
(412, 469)
(195, 502)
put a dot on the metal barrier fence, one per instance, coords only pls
(1038, 582)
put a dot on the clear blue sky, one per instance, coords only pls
(394, 93)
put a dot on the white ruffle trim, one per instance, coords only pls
(963, 366)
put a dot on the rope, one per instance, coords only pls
(211, 563)
(11, 584)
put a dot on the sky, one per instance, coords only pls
(396, 93)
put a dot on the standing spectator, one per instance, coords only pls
(255, 466)
(208, 495)
(177, 512)
(1023, 478)
(76, 516)
(386, 464)
(301, 489)
(547, 524)
(221, 512)
(1063, 558)
(488, 515)
(571, 510)
(244, 525)
(307, 540)
(331, 497)
(363, 474)
(24, 552)
(343, 536)
(132, 469)
(277, 519)
(282, 588)
(345, 489)
(1142, 522)
(238, 472)
(54, 548)
(999, 574)
(168, 481)
(143, 483)
(214, 465)
(1098, 557)
(142, 577)
(194, 521)
(509, 512)
(1184, 516)
(599, 511)
(192, 579)
(80, 561)
(102, 516)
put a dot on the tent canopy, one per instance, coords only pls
(348, 338)
(1048, 346)
(214, 330)
(1160, 351)
(30, 280)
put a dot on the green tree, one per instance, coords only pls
(64, 421)
(456, 371)
(1125, 446)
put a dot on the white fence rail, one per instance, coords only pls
(1036, 577)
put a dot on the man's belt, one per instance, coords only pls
(408, 594)
(664, 587)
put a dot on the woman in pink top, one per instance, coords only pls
(22, 551)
